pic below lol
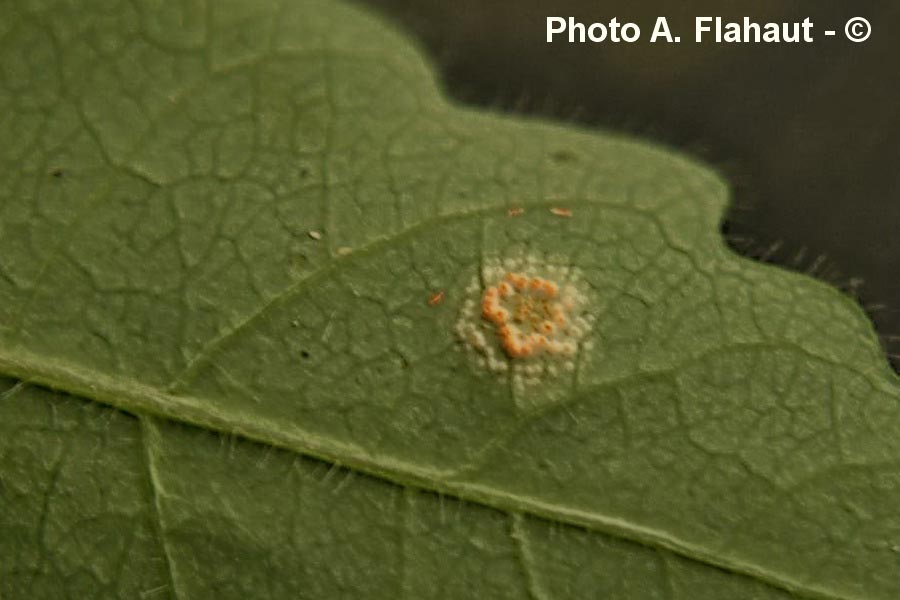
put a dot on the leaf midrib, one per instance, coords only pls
(147, 401)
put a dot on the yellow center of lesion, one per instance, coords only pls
(530, 316)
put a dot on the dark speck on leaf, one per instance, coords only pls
(298, 261)
(563, 156)
(58, 173)
(304, 354)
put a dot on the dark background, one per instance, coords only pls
(808, 134)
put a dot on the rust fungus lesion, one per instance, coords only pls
(526, 316)
(529, 315)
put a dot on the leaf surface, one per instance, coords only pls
(220, 227)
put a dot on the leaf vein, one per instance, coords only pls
(153, 479)
(181, 380)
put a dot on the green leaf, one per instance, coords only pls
(220, 228)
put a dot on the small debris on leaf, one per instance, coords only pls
(515, 212)
(344, 250)
(561, 212)
(314, 235)
(436, 298)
